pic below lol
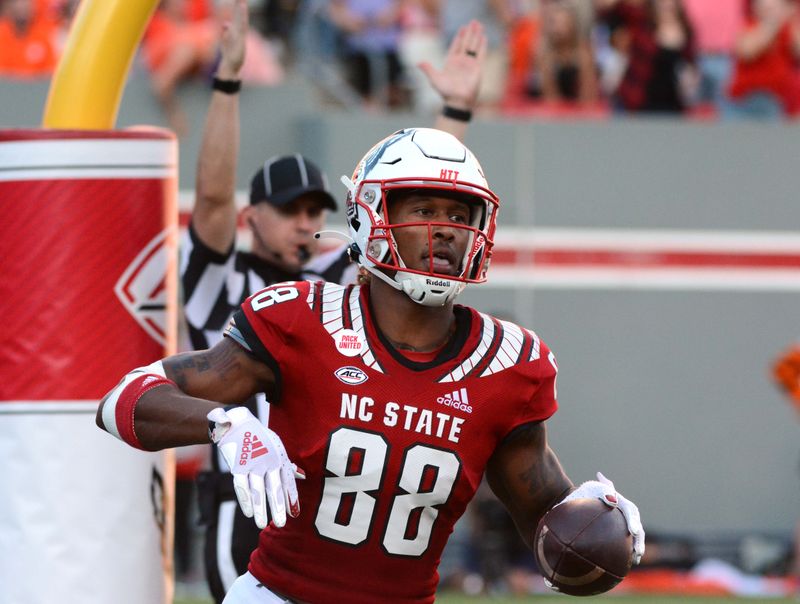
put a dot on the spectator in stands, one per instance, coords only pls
(28, 40)
(565, 66)
(278, 19)
(180, 43)
(764, 84)
(420, 41)
(64, 11)
(371, 30)
(612, 47)
(523, 39)
(716, 26)
(661, 74)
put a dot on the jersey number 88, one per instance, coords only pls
(356, 461)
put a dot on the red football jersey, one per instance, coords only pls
(393, 449)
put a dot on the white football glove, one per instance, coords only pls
(603, 489)
(263, 476)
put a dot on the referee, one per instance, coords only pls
(289, 200)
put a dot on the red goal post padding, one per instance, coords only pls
(88, 227)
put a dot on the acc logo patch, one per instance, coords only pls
(348, 342)
(351, 375)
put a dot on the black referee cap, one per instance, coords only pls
(283, 179)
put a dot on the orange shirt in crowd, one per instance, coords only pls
(165, 33)
(30, 54)
(522, 41)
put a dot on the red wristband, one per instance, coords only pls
(125, 406)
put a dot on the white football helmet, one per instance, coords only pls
(419, 158)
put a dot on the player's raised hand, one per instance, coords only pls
(263, 476)
(233, 39)
(459, 80)
(603, 489)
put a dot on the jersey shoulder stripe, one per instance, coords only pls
(480, 369)
(519, 345)
(474, 359)
(357, 319)
(503, 345)
(340, 308)
(332, 296)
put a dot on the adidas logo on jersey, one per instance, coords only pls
(252, 447)
(458, 399)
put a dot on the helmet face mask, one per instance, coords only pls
(431, 163)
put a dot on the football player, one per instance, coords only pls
(289, 199)
(389, 401)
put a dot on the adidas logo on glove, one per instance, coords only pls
(252, 447)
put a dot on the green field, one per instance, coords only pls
(642, 599)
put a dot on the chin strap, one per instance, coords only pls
(383, 277)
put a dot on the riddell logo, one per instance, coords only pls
(437, 282)
(458, 399)
(252, 447)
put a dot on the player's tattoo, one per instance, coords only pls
(539, 481)
(223, 359)
(539, 474)
(177, 368)
(181, 367)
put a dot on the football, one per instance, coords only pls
(583, 547)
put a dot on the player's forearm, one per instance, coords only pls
(151, 413)
(527, 477)
(166, 417)
(165, 404)
(219, 150)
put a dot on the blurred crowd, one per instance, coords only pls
(701, 58)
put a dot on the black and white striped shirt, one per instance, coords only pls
(215, 285)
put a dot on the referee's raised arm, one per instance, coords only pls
(214, 213)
